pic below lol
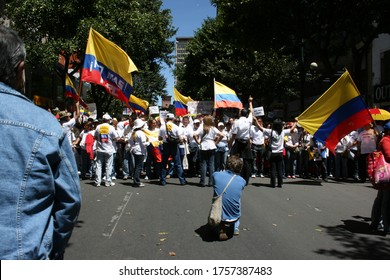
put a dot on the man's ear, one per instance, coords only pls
(20, 77)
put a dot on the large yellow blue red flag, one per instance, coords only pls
(108, 65)
(336, 113)
(70, 91)
(225, 97)
(138, 105)
(181, 102)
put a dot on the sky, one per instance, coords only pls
(188, 16)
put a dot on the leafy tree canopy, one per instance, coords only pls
(140, 28)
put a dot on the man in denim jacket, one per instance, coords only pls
(40, 190)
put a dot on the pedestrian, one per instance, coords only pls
(222, 149)
(169, 134)
(154, 157)
(207, 136)
(105, 135)
(380, 213)
(40, 190)
(292, 151)
(231, 199)
(366, 143)
(241, 139)
(128, 158)
(139, 143)
(321, 153)
(257, 146)
(193, 146)
(341, 159)
(276, 145)
(86, 140)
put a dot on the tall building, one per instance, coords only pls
(181, 51)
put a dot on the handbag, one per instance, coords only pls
(215, 215)
(378, 170)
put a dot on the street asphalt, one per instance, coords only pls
(304, 220)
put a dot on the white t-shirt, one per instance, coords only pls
(138, 143)
(276, 140)
(172, 128)
(104, 136)
(257, 135)
(241, 127)
(207, 140)
(68, 126)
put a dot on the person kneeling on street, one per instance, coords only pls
(231, 200)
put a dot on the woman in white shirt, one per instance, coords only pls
(276, 142)
(207, 136)
(139, 143)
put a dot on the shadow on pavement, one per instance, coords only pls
(358, 241)
(207, 233)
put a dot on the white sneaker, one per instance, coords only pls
(110, 184)
(261, 176)
(146, 178)
(253, 176)
(113, 178)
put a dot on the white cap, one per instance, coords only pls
(221, 123)
(106, 117)
(170, 116)
(196, 121)
(138, 123)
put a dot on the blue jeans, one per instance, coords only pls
(207, 159)
(171, 149)
(128, 164)
(86, 164)
(101, 158)
(138, 160)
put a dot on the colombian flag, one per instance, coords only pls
(336, 113)
(70, 91)
(138, 105)
(108, 65)
(180, 103)
(225, 97)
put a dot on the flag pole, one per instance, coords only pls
(214, 93)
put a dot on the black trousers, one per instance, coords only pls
(276, 162)
(244, 151)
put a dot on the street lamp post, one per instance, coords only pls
(313, 68)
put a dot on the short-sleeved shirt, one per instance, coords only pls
(241, 128)
(104, 136)
(207, 140)
(231, 200)
(276, 140)
(169, 129)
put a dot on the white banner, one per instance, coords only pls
(153, 110)
(258, 111)
(200, 107)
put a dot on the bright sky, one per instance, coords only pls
(188, 16)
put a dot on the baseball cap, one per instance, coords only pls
(106, 117)
(170, 116)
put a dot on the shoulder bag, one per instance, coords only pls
(215, 215)
(378, 170)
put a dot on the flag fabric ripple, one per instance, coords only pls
(337, 112)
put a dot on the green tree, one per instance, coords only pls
(264, 74)
(140, 28)
(325, 30)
